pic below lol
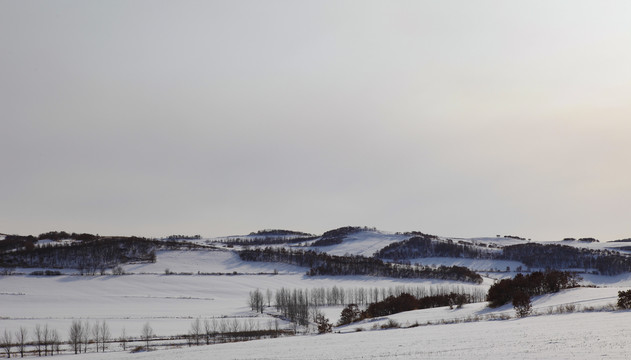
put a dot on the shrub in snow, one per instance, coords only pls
(390, 324)
(350, 314)
(624, 299)
(324, 326)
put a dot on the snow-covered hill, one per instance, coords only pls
(363, 242)
(210, 281)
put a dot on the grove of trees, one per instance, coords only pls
(325, 264)
(402, 302)
(533, 255)
(533, 284)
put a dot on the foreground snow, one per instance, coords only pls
(569, 336)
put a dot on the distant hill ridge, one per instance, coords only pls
(337, 236)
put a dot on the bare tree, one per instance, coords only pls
(196, 331)
(76, 335)
(39, 339)
(6, 342)
(46, 338)
(85, 335)
(146, 334)
(209, 329)
(96, 334)
(223, 328)
(105, 335)
(123, 340)
(21, 337)
(256, 301)
(234, 326)
(118, 270)
(55, 342)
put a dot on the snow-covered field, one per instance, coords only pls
(208, 262)
(216, 284)
(168, 302)
(566, 336)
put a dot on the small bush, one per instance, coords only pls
(416, 324)
(390, 324)
(324, 326)
(350, 314)
(137, 349)
(624, 299)
(46, 273)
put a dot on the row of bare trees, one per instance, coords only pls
(335, 295)
(211, 331)
(44, 339)
(80, 335)
(84, 336)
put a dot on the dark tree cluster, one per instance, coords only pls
(536, 283)
(549, 256)
(27, 242)
(407, 302)
(279, 232)
(336, 236)
(13, 242)
(417, 233)
(514, 237)
(624, 299)
(87, 256)
(555, 256)
(62, 235)
(429, 246)
(522, 303)
(402, 302)
(350, 314)
(184, 237)
(267, 240)
(324, 264)
(623, 240)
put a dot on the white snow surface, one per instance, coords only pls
(205, 261)
(169, 302)
(567, 336)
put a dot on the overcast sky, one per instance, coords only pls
(456, 118)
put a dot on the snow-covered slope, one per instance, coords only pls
(208, 261)
(364, 243)
(567, 336)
